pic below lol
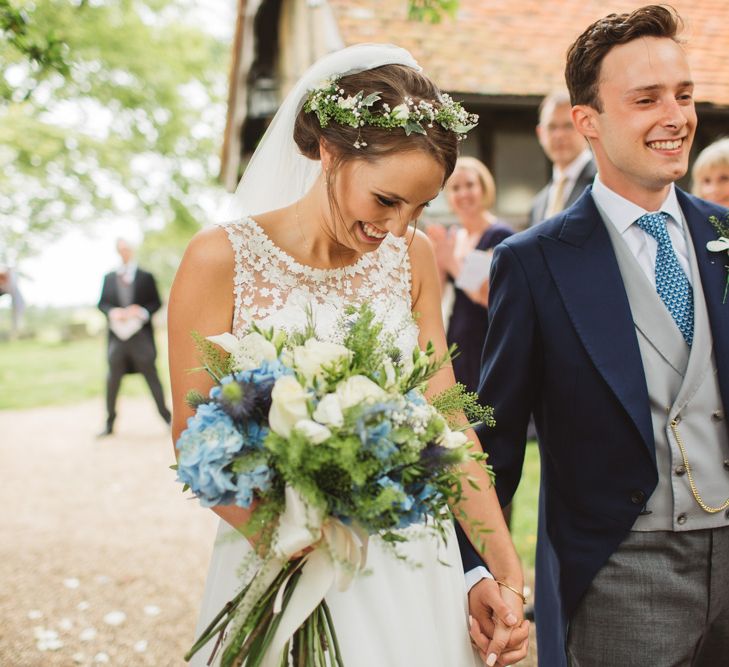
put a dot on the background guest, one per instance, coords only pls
(710, 173)
(572, 165)
(129, 298)
(471, 193)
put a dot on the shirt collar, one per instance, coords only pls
(127, 269)
(574, 168)
(623, 213)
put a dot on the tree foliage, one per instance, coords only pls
(109, 107)
(431, 11)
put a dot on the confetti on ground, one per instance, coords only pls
(102, 579)
(78, 658)
(101, 657)
(87, 634)
(65, 624)
(47, 640)
(83, 605)
(71, 583)
(152, 610)
(115, 618)
(35, 614)
(141, 646)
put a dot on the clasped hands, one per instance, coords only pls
(120, 314)
(496, 624)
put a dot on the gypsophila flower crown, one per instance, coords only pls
(330, 104)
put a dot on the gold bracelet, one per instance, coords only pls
(512, 589)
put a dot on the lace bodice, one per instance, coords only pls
(273, 289)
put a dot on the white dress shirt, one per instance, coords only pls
(622, 214)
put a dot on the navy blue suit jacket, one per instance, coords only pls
(562, 344)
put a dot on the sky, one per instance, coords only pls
(70, 271)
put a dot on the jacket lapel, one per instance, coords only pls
(582, 262)
(713, 279)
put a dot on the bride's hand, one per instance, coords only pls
(497, 627)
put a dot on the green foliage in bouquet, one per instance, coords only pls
(347, 438)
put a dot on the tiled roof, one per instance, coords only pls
(517, 47)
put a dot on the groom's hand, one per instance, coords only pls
(497, 629)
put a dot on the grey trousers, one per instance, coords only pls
(661, 600)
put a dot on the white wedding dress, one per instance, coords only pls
(397, 615)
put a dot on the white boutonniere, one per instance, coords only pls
(721, 245)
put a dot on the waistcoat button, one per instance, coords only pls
(637, 498)
(680, 470)
(681, 519)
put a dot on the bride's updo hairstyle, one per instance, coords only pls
(395, 84)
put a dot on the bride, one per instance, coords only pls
(322, 219)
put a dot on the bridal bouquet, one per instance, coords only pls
(327, 444)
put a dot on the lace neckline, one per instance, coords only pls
(312, 271)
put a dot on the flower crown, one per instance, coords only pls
(329, 104)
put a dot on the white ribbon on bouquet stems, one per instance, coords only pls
(338, 553)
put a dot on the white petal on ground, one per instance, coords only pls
(83, 605)
(35, 614)
(43, 634)
(87, 634)
(141, 646)
(78, 658)
(102, 579)
(65, 624)
(49, 644)
(152, 610)
(101, 657)
(72, 583)
(115, 618)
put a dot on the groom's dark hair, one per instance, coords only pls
(585, 56)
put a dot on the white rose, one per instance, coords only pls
(312, 355)
(329, 411)
(452, 439)
(288, 405)
(401, 112)
(313, 432)
(249, 352)
(357, 389)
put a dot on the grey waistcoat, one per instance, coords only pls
(125, 291)
(682, 386)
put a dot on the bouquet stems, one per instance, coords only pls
(314, 644)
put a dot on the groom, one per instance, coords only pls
(607, 322)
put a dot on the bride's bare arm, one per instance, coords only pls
(201, 300)
(480, 507)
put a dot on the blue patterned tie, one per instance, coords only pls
(672, 284)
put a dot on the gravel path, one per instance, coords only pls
(102, 561)
(93, 527)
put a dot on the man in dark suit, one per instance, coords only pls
(607, 323)
(572, 165)
(129, 298)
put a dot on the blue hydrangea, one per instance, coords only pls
(206, 448)
(416, 398)
(374, 428)
(267, 372)
(259, 478)
(404, 505)
(254, 434)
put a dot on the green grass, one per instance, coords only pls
(524, 513)
(35, 373)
